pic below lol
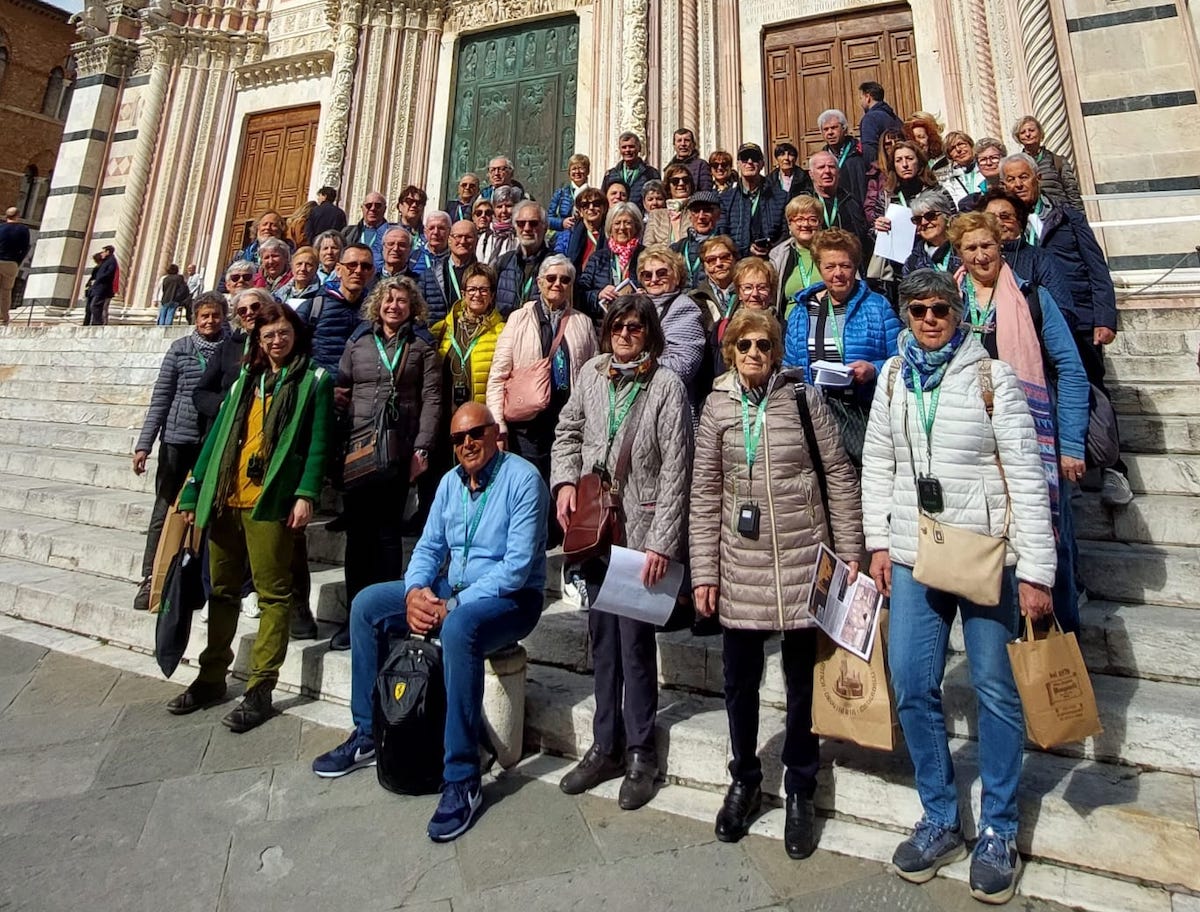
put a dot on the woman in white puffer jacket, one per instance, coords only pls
(929, 418)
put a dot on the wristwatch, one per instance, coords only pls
(451, 603)
(422, 452)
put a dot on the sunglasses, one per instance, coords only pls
(926, 217)
(720, 166)
(241, 277)
(527, 223)
(718, 258)
(591, 204)
(658, 275)
(918, 311)
(411, 202)
(373, 205)
(458, 438)
(357, 266)
(247, 310)
(486, 213)
(467, 186)
(680, 181)
(557, 279)
(633, 327)
(763, 345)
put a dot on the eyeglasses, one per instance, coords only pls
(465, 185)
(926, 217)
(680, 181)
(747, 291)
(988, 159)
(555, 279)
(280, 334)
(247, 309)
(720, 166)
(458, 438)
(411, 201)
(918, 311)
(658, 275)
(373, 205)
(763, 345)
(358, 266)
(240, 277)
(805, 221)
(477, 291)
(486, 213)
(633, 327)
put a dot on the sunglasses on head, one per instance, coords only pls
(763, 345)
(458, 438)
(918, 311)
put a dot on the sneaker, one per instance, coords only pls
(141, 599)
(595, 767)
(1116, 491)
(930, 846)
(995, 868)
(357, 752)
(456, 811)
(253, 711)
(250, 606)
(204, 614)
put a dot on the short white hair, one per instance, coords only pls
(832, 114)
(438, 216)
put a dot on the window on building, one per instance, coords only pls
(55, 89)
(3, 62)
(28, 198)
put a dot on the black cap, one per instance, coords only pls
(704, 198)
(749, 151)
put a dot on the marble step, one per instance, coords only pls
(1176, 434)
(115, 366)
(1167, 519)
(95, 470)
(50, 436)
(1151, 473)
(84, 414)
(1141, 573)
(1154, 642)
(59, 391)
(1155, 341)
(67, 545)
(1147, 398)
(1138, 824)
(1173, 368)
(119, 510)
(1177, 315)
(87, 339)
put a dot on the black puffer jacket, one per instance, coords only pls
(172, 415)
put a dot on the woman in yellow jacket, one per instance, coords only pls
(466, 339)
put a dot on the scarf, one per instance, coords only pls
(623, 252)
(639, 367)
(208, 347)
(502, 229)
(283, 393)
(756, 394)
(929, 366)
(910, 188)
(1017, 343)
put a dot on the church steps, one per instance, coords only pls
(1168, 519)
(1159, 434)
(1157, 341)
(49, 390)
(1141, 573)
(77, 413)
(112, 366)
(65, 337)
(1146, 398)
(1123, 368)
(1164, 473)
(54, 435)
(81, 467)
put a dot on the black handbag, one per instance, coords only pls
(183, 594)
(374, 451)
(851, 417)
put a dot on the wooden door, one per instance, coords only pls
(818, 64)
(275, 168)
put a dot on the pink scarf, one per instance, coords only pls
(623, 252)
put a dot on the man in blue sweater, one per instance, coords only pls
(489, 519)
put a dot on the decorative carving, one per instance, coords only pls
(348, 18)
(1045, 77)
(107, 54)
(287, 69)
(477, 14)
(690, 75)
(634, 59)
(981, 39)
(92, 21)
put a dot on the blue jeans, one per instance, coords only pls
(468, 635)
(1064, 593)
(166, 314)
(918, 633)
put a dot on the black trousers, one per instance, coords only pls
(174, 463)
(743, 659)
(625, 670)
(1092, 356)
(374, 534)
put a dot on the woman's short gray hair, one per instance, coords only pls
(625, 208)
(506, 194)
(332, 235)
(931, 283)
(276, 244)
(934, 200)
(989, 142)
(556, 259)
(241, 266)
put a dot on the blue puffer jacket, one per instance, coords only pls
(562, 203)
(1067, 235)
(869, 333)
(432, 283)
(334, 323)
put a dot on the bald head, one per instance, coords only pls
(823, 168)
(469, 415)
(11, 213)
(476, 438)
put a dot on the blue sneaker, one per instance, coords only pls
(995, 868)
(357, 751)
(930, 846)
(456, 811)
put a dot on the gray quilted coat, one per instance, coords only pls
(763, 584)
(654, 497)
(171, 414)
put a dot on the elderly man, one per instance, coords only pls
(488, 521)
(442, 286)
(14, 247)
(841, 209)
(435, 243)
(468, 192)
(500, 174)
(397, 251)
(852, 167)
(751, 211)
(1064, 233)
(516, 271)
(704, 207)
(686, 154)
(370, 229)
(631, 171)
(333, 316)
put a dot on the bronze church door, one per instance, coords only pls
(515, 95)
(818, 64)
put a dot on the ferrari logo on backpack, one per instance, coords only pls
(400, 688)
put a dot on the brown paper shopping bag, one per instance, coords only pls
(1056, 692)
(852, 698)
(169, 543)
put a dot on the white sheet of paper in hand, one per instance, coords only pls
(832, 374)
(897, 245)
(623, 593)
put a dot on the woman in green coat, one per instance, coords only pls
(253, 487)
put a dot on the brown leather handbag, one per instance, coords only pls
(527, 389)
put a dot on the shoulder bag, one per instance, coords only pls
(527, 389)
(373, 452)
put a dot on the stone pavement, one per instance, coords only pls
(110, 803)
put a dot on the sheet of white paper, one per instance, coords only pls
(897, 245)
(830, 373)
(845, 611)
(623, 593)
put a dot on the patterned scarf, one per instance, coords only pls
(623, 252)
(930, 366)
(641, 366)
(208, 347)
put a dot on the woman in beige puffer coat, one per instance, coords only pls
(756, 520)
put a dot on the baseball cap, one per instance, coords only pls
(749, 151)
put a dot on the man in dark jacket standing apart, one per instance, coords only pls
(101, 288)
(751, 212)
(631, 170)
(327, 216)
(878, 117)
(14, 247)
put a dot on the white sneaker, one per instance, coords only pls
(204, 614)
(250, 606)
(1116, 491)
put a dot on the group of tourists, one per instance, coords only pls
(749, 380)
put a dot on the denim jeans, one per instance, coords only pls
(1065, 593)
(468, 635)
(918, 633)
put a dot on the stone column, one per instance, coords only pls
(422, 130)
(690, 68)
(348, 23)
(1045, 77)
(989, 106)
(635, 53)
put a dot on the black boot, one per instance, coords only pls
(303, 625)
(799, 838)
(742, 803)
(340, 641)
(198, 696)
(638, 787)
(253, 711)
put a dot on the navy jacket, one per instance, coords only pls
(852, 172)
(920, 259)
(438, 290)
(1068, 237)
(1035, 265)
(874, 122)
(331, 326)
(562, 204)
(326, 217)
(637, 183)
(698, 168)
(599, 275)
(14, 242)
(511, 291)
(740, 222)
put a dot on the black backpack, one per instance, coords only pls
(409, 718)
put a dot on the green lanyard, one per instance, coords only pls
(390, 365)
(463, 357)
(752, 435)
(471, 522)
(805, 274)
(618, 413)
(845, 154)
(830, 219)
(203, 362)
(927, 419)
(1031, 234)
(593, 237)
(977, 316)
(903, 199)
(754, 201)
(944, 265)
(262, 387)
(693, 266)
(837, 332)
(526, 288)
(618, 274)
(454, 280)
(730, 304)
(629, 177)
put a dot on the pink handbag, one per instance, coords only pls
(527, 389)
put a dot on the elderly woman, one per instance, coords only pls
(1024, 326)
(548, 326)
(720, 163)
(792, 258)
(240, 275)
(671, 223)
(587, 233)
(661, 274)
(466, 339)
(388, 370)
(986, 175)
(173, 421)
(622, 394)
(931, 213)
(269, 225)
(714, 292)
(615, 263)
(615, 192)
(1058, 181)
(840, 319)
(931, 432)
(754, 527)
(500, 237)
(654, 196)
(482, 214)
(786, 177)
(560, 214)
(253, 488)
(958, 179)
(329, 246)
(753, 287)
(275, 265)
(304, 283)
